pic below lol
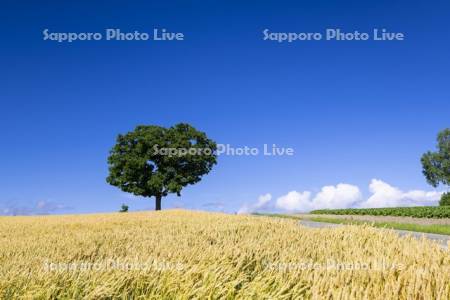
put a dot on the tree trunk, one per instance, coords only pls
(158, 202)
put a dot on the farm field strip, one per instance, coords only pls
(196, 255)
(441, 239)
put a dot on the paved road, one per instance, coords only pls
(439, 238)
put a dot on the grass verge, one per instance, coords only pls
(437, 229)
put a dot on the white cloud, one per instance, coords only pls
(263, 200)
(295, 201)
(339, 196)
(385, 195)
(348, 196)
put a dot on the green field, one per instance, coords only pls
(435, 212)
(437, 229)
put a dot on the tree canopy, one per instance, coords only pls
(436, 165)
(155, 161)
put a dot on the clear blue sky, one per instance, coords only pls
(352, 111)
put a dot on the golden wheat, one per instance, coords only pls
(196, 255)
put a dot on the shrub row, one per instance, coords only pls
(436, 212)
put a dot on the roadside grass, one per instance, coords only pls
(437, 229)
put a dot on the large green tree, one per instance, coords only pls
(153, 161)
(436, 165)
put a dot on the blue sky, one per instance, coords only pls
(353, 111)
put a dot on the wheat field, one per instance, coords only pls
(181, 254)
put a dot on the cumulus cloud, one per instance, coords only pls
(263, 200)
(295, 201)
(261, 203)
(339, 196)
(385, 195)
(345, 195)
